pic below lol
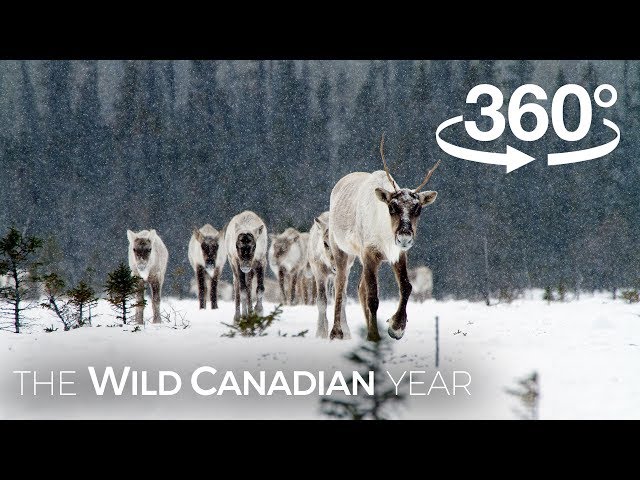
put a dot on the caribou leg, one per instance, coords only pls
(294, 280)
(201, 286)
(281, 279)
(155, 299)
(249, 276)
(236, 290)
(260, 267)
(213, 294)
(314, 292)
(362, 295)
(242, 282)
(398, 322)
(140, 302)
(323, 324)
(370, 275)
(344, 261)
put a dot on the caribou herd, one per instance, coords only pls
(370, 217)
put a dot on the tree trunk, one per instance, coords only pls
(16, 306)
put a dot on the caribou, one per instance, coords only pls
(323, 265)
(421, 279)
(287, 256)
(148, 257)
(245, 239)
(372, 218)
(306, 283)
(207, 257)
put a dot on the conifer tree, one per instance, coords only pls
(69, 305)
(367, 357)
(121, 288)
(83, 298)
(17, 258)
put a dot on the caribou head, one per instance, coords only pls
(327, 256)
(209, 246)
(142, 245)
(246, 248)
(405, 205)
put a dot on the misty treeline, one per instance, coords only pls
(173, 145)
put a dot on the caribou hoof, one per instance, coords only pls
(214, 306)
(395, 334)
(336, 333)
(373, 337)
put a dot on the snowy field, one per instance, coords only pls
(586, 353)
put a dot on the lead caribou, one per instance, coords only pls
(372, 218)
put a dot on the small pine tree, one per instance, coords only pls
(548, 294)
(68, 305)
(370, 356)
(17, 256)
(528, 392)
(83, 299)
(253, 325)
(121, 287)
(506, 295)
(631, 296)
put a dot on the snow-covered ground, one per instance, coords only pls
(586, 353)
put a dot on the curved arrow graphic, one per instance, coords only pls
(588, 153)
(512, 159)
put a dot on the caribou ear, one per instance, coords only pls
(131, 236)
(320, 223)
(427, 197)
(152, 235)
(198, 234)
(383, 195)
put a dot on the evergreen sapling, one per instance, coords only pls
(379, 406)
(83, 298)
(17, 258)
(528, 393)
(253, 325)
(121, 288)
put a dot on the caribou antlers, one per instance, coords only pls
(384, 163)
(426, 179)
(386, 169)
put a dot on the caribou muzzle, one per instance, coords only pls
(404, 241)
(404, 235)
